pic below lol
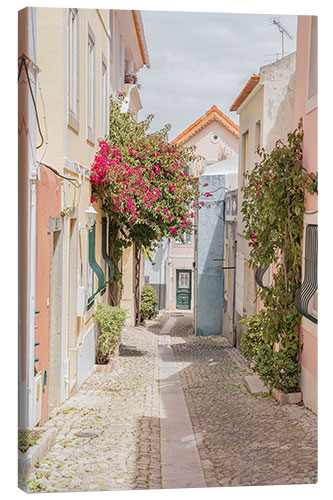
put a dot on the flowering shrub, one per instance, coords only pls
(273, 208)
(141, 181)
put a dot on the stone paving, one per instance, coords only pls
(242, 439)
(109, 431)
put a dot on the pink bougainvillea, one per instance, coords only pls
(141, 182)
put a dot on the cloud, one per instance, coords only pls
(201, 59)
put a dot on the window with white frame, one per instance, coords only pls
(312, 76)
(91, 84)
(257, 135)
(111, 18)
(186, 238)
(120, 59)
(73, 64)
(104, 98)
(245, 156)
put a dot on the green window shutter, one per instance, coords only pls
(104, 253)
(94, 266)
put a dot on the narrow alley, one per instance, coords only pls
(174, 412)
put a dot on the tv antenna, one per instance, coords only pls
(283, 30)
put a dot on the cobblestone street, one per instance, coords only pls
(109, 432)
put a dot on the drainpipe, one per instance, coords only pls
(32, 299)
(28, 419)
(234, 298)
(64, 382)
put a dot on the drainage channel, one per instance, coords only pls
(180, 461)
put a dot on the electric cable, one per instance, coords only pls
(70, 179)
(23, 63)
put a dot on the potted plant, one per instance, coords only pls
(110, 321)
(131, 78)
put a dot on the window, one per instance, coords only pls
(186, 239)
(120, 60)
(104, 99)
(91, 84)
(73, 68)
(111, 18)
(257, 135)
(245, 155)
(312, 81)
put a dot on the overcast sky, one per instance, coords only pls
(201, 59)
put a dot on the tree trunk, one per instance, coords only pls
(138, 254)
(114, 289)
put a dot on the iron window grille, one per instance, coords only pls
(310, 284)
(259, 274)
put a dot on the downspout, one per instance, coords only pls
(234, 298)
(64, 235)
(31, 223)
(31, 298)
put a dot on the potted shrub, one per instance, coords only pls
(280, 371)
(149, 302)
(110, 321)
(252, 337)
(131, 78)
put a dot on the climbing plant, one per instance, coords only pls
(273, 207)
(142, 183)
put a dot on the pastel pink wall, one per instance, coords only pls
(310, 120)
(48, 205)
(310, 150)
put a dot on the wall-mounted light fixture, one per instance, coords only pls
(90, 216)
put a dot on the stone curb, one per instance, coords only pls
(105, 368)
(292, 398)
(254, 384)
(28, 459)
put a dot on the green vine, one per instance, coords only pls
(273, 207)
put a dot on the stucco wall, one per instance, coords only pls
(210, 254)
(278, 80)
(309, 114)
(48, 205)
(207, 148)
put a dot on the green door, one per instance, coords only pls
(183, 289)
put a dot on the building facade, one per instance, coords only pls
(76, 59)
(211, 272)
(171, 272)
(306, 107)
(266, 113)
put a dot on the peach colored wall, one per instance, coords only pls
(308, 356)
(48, 205)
